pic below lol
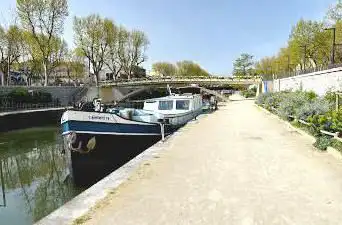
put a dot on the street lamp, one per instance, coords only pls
(333, 45)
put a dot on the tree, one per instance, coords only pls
(306, 37)
(117, 38)
(190, 69)
(10, 50)
(58, 54)
(31, 62)
(266, 67)
(132, 50)
(45, 20)
(165, 69)
(243, 66)
(92, 38)
(334, 13)
(75, 65)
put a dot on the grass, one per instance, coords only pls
(81, 219)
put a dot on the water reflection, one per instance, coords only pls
(34, 175)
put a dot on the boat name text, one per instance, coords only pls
(99, 118)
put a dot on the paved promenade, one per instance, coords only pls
(236, 166)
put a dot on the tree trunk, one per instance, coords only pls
(68, 72)
(96, 78)
(2, 74)
(45, 74)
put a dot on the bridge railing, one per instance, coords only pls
(179, 79)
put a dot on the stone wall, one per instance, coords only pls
(319, 82)
(31, 118)
(64, 94)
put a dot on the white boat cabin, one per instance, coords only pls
(174, 104)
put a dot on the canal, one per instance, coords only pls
(34, 177)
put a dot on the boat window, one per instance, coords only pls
(165, 105)
(182, 104)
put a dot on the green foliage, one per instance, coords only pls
(274, 100)
(322, 143)
(291, 103)
(336, 144)
(92, 36)
(261, 99)
(43, 20)
(190, 69)
(309, 46)
(184, 68)
(250, 93)
(297, 104)
(21, 95)
(331, 121)
(330, 96)
(164, 69)
(312, 107)
(310, 95)
(102, 42)
(11, 41)
(318, 112)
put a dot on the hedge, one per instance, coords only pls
(22, 95)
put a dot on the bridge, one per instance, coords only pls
(120, 90)
(175, 81)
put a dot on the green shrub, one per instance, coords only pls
(336, 144)
(323, 142)
(310, 95)
(19, 95)
(331, 121)
(261, 99)
(291, 103)
(274, 100)
(317, 106)
(330, 96)
(336, 120)
(249, 93)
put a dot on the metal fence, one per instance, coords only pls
(15, 106)
(309, 70)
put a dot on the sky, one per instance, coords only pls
(212, 33)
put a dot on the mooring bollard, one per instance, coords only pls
(162, 123)
(162, 128)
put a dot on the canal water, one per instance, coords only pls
(34, 177)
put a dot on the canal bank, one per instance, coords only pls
(30, 118)
(236, 166)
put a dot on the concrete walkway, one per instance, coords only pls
(236, 166)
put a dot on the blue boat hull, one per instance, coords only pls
(88, 127)
(111, 152)
(116, 144)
